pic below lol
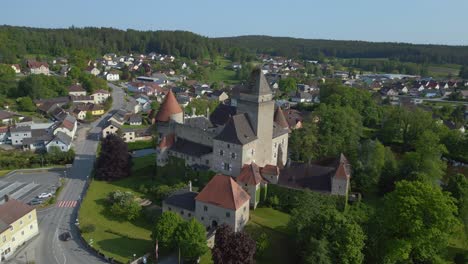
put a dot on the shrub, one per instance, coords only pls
(88, 228)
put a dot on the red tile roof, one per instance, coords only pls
(343, 170)
(224, 192)
(37, 64)
(270, 170)
(11, 211)
(250, 174)
(169, 107)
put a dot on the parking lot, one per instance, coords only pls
(26, 185)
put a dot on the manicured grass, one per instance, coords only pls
(274, 224)
(143, 144)
(4, 172)
(113, 237)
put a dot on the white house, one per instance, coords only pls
(100, 96)
(222, 201)
(61, 140)
(93, 70)
(68, 126)
(112, 76)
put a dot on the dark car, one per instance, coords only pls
(65, 236)
(36, 201)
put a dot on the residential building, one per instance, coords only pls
(222, 201)
(252, 182)
(93, 70)
(16, 68)
(68, 126)
(18, 224)
(76, 90)
(61, 140)
(100, 96)
(112, 76)
(36, 67)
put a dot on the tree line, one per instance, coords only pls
(16, 42)
(318, 49)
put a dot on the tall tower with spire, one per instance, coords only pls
(256, 100)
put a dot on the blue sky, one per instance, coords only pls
(415, 21)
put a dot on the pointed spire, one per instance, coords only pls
(258, 84)
(169, 107)
(280, 119)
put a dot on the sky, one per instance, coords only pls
(413, 21)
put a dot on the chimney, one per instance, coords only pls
(6, 197)
(190, 186)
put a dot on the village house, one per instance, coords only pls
(4, 134)
(100, 96)
(82, 99)
(7, 117)
(222, 201)
(218, 95)
(68, 126)
(36, 67)
(112, 76)
(76, 90)
(18, 224)
(16, 68)
(61, 140)
(93, 70)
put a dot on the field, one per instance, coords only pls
(113, 237)
(274, 224)
(222, 74)
(444, 70)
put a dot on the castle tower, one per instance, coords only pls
(256, 100)
(170, 110)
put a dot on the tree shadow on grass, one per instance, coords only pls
(124, 247)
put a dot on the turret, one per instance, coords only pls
(170, 110)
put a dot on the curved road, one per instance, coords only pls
(47, 248)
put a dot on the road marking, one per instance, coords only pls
(68, 204)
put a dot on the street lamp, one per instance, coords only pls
(134, 256)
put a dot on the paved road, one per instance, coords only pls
(47, 248)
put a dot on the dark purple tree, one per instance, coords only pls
(233, 248)
(114, 161)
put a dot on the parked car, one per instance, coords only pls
(65, 236)
(44, 195)
(36, 201)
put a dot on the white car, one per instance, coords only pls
(44, 195)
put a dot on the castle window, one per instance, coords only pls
(275, 145)
(182, 212)
(228, 146)
(233, 155)
(205, 208)
(227, 166)
(274, 155)
(228, 214)
(221, 152)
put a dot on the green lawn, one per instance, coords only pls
(4, 172)
(143, 144)
(222, 74)
(274, 224)
(114, 238)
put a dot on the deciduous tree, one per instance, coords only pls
(114, 161)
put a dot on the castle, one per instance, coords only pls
(245, 132)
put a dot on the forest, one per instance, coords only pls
(18, 42)
(317, 49)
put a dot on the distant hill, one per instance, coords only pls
(316, 48)
(16, 42)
